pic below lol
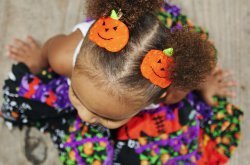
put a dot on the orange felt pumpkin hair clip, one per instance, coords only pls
(110, 33)
(156, 67)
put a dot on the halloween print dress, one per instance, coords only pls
(189, 132)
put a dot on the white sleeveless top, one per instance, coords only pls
(84, 28)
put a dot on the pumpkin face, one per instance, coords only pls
(110, 34)
(156, 67)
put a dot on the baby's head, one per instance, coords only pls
(109, 88)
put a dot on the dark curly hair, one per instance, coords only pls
(120, 72)
(132, 10)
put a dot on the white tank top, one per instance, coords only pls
(84, 28)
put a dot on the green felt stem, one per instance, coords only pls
(168, 52)
(114, 15)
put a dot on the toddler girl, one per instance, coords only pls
(128, 76)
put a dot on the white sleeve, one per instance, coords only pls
(83, 27)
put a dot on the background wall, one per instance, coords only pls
(227, 21)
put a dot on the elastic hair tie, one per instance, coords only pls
(156, 67)
(110, 33)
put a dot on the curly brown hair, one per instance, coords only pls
(120, 72)
(131, 10)
(194, 58)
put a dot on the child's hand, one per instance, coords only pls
(27, 52)
(217, 84)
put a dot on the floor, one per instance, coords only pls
(227, 20)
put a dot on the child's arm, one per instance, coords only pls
(57, 53)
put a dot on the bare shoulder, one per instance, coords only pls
(61, 51)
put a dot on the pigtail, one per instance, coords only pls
(194, 58)
(129, 11)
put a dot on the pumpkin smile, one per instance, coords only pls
(156, 73)
(104, 38)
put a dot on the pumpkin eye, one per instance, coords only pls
(115, 28)
(159, 61)
(162, 69)
(104, 23)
